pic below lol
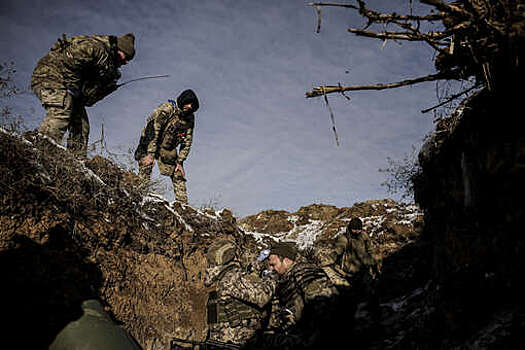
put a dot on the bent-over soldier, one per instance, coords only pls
(306, 299)
(169, 126)
(237, 307)
(78, 72)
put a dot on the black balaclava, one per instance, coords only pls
(188, 96)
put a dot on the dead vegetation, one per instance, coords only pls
(480, 39)
(72, 230)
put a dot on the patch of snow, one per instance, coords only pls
(260, 237)
(306, 234)
(399, 303)
(53, 142)
(152, 198)
(179, 217)
(146, 217)
(293, 219)
(93, 175)
(206, 214)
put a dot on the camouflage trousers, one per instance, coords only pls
(64, 113)
(179, 182)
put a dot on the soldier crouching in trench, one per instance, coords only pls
(306, 299)
(238, 305)
(169, 126)
(78, 72)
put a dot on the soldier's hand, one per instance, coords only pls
(147, 160)
(180, 169)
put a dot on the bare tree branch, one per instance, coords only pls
(447, 7)
(328, 89)
(452, 98)
(477, 38)
(381, 17)
(332, 4)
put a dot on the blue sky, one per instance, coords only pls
(258, 143)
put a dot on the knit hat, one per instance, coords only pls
(355, 224)
(285, 250)
(126, 44)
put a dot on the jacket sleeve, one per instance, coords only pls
(253, 289)
(185, 146)
(88, 60)
(370, 252)
(154, 126)
(91, 70)
(340, 245)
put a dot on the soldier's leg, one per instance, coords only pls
(77, 141)
(59, 107)
(179, 188)
(145, 172)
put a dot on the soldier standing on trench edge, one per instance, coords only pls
(78, 72)
(169, 126)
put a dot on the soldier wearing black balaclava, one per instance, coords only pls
(167, 137)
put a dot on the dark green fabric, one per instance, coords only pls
(94, 330)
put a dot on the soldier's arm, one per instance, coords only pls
(369, 249)
(88, 57)
(155, 122)
(185, 146)
(253, 289)
(340, 245)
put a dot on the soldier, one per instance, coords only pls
(354, 251)
(78, 72)
(306, 298)
(94, 330)
(169, 126)
(356, 260)
(236, 308)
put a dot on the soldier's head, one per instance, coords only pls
(188, 102)
(281, 257)
(221, 252)
(355, 226)
(125, 48)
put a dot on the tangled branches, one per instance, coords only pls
(479, 38)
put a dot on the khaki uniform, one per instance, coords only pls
(354, 253)
(357, 262)
(77, 72)
(166, 129)
(306, 299)
(237, 308)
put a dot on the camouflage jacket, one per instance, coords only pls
(86, 66)
(354, 253)
(165, 130)
(237, 307)
(306, 299)
(304, 288)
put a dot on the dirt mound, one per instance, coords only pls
(391, 225)
(72, 230)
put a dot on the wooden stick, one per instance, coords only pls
(323, 90)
